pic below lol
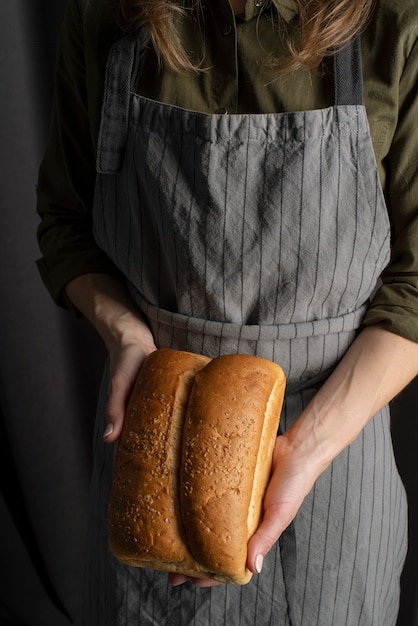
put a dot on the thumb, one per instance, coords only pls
(274, 522)
(120, 387)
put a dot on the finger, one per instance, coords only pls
(204, 582)
(120, 387)
(177, 579)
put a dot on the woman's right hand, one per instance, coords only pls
(105, 302)
(127, 352)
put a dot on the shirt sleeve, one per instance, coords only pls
(395, 304)
(67, 173)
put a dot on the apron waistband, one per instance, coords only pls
(269, 341)
(253, 332)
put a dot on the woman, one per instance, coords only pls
(238, 208)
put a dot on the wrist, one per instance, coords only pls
(331, 421)
(377, 366)
(106, 303)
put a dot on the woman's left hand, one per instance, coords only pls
(293, 475)
(289, 484)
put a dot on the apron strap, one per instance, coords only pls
(125, 58)
(348, 75)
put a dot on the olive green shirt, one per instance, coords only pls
(236, 79)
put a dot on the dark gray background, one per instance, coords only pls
(50, 364)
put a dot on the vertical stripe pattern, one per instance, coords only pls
(263, 234)
(264, 257)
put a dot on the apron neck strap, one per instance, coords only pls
(348, 76)
(125, 60)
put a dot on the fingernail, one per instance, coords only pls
(108, 431)
(259, 563)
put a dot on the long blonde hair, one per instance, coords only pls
(323, 27)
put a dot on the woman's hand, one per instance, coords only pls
(378, 365)
(289, 484)
(127, 351)
(291, 480)
(105, 302)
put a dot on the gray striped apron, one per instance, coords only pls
(264, 234)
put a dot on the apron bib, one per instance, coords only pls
(264, 234)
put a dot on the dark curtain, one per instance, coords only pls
(50, 365)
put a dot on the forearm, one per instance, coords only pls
(378, 365)
(106, 303)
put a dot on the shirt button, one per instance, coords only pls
(227, 30)
(221, 111)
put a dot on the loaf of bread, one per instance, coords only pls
(193, 463)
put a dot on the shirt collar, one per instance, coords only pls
(286, 8)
